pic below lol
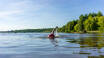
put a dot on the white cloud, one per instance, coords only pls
(24, 13)
(24, 7)
(5, 14)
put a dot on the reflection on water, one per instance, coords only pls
(89, 45)
(54, 42)
(93, 46)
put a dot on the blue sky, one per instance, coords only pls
(28, 14)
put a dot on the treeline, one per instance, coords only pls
(32, 30)
(87, 22)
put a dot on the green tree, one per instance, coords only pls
(76, 28)
(92, 14)
(99, 14)
(90, 24)
(69, 27)
(80, 23)
(101, 23)
(62, 29)
(87, 22)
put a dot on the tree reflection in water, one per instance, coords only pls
(92, 46)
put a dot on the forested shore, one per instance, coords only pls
(32, 30)
(85, 23)
(92, 22)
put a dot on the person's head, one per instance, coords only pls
(56, 26)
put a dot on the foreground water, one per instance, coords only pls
(37, 45)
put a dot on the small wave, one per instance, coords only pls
(11, 46)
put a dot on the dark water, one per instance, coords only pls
(37, 45)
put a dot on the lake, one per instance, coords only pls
(37, 45)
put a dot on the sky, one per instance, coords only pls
(34, 14)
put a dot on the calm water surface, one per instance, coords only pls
(36, 45)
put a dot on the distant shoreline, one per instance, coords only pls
(43, 31)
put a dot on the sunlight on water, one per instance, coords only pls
(90, 45)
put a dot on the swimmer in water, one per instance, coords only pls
(51, 36)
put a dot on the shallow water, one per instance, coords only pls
(37, 45)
